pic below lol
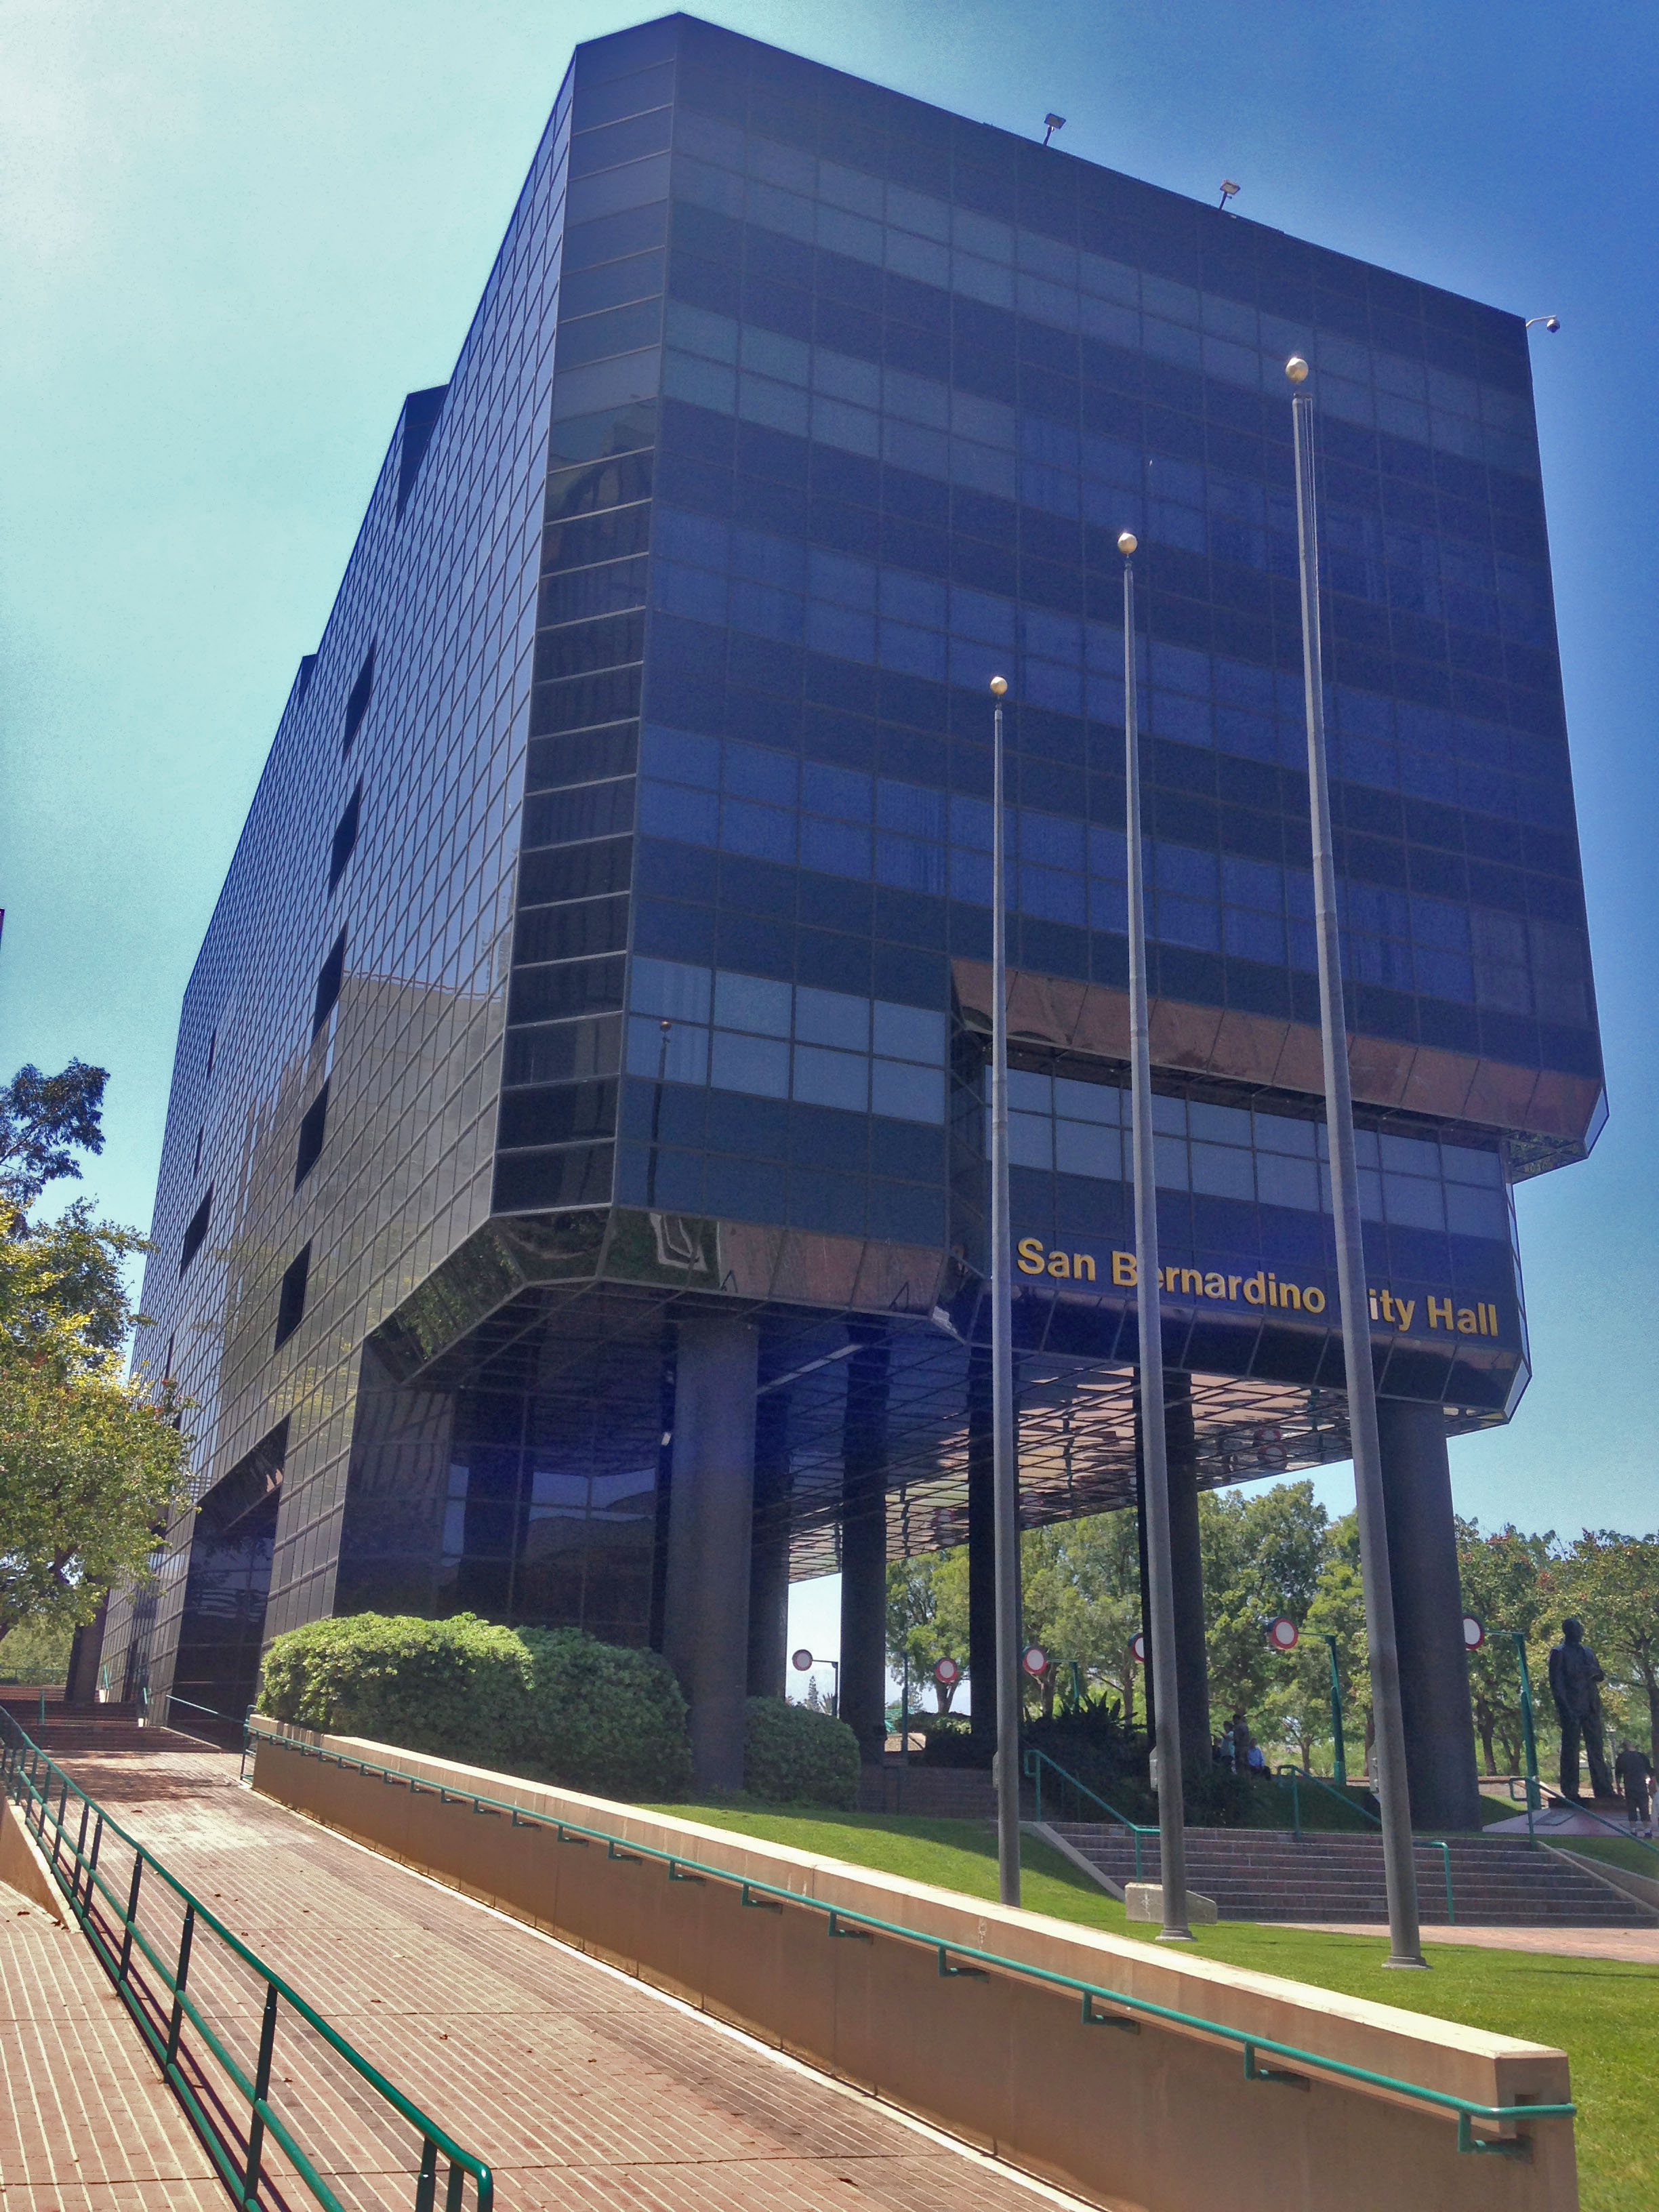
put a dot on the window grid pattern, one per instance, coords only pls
(426, 657)
(848, 400)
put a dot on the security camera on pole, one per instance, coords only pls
(1393, 1796)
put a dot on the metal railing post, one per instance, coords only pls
(131, 1916)
(92, 1862)
(80, 1851)
(178, 1980)
(256, 2131)
(426, 2193)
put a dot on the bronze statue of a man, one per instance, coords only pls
(1574, 1680)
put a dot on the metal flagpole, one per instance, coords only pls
(1003, 1475)
(1393, 1793)
(1154, 1460)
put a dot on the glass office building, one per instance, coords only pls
(573, 1198)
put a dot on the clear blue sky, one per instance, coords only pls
(231, 238)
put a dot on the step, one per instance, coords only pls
(1252, 1873)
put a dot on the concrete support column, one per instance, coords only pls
(710, 1514)
(1191, 1654)
(1428, 1616)
(769, 1565)
(981, 1557)
(864, 1544)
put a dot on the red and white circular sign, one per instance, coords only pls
(801, 1660)
(1283, 1634)
(946, 1671)
(1034, 1659)
(1138, 1648)
(1473, 1634)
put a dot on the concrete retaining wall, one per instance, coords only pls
(1160, 2120)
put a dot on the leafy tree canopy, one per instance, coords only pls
(90, 1467)
(1613, 1582)
(44, 1120)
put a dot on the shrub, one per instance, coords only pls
(551, 1703)
(606, 1718)
(793, 1756)
(458, 1688)
(1218, 1798)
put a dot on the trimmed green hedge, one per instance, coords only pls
(793, 1756)
(552, 1705)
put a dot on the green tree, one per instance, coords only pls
(1613, 1583)
(1264, 1552)
(1508, 1581)
(1080, 1600)
(927, 1619)
(1337, 1609)
(44, 1120)
(90, 1465)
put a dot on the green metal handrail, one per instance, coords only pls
(1295, 1777)
(1419, 1842)
(1619, 1828)
(1035, 1760)
(30, 1778)
(770, 1897)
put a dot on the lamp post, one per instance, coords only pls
(1004, 1476)
(1393, 1796)
(1339, 1756)
(1529, 1737)
(1154, 1459)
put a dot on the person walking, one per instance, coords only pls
(1635, 1779)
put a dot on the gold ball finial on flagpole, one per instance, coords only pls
(999, 686)
(1127, 542)
(1297, 369)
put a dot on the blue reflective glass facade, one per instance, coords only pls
(611, 936)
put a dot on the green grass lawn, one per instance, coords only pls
(1604, 2013)
(1636, 1857)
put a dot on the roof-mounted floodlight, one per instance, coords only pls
(1050, 125)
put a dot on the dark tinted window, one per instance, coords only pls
(345, 838)
(311, 1136)
(196, 1233)
(328, 983)
(357, 704)
(291, 1300)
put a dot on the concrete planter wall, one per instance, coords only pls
(1160, 2121)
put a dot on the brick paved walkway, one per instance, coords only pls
(580, 2088)
(1638, 1946)
(86, 2125)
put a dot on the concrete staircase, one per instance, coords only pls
(1257, 1874)
(72, 1731)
